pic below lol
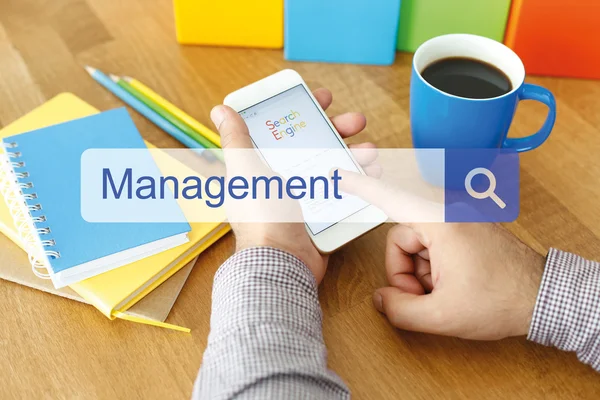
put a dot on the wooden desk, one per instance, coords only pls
(55, 348)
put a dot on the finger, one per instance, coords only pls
(324, 97)
(371, 190)
(423, 272)
(232, 128)
(364, 153)
(399, 205)
(402, 243)
(349, 124)
(373, 170)
(409, 311)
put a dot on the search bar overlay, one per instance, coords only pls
(318, 186)
(481, 185)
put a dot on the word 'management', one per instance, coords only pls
(214, 189)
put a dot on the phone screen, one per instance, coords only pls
(291, 120)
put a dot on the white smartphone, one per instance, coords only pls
(281, 112)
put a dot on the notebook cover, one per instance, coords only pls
(53, 157)
(61, 108)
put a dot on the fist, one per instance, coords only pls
(473, 281)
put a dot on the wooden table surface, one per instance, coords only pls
(55, 348)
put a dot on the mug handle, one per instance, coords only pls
(534, 92)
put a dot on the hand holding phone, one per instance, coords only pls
(292, 237)
(280, 113)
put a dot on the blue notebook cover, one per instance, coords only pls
(52, 158)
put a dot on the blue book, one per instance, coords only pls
(341, 31)
(45, 200)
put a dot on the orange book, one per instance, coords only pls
(556, 37)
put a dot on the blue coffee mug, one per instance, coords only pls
(442, 120)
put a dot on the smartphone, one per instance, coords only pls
(281, 113)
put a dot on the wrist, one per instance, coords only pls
(306, 254)
(530, 291)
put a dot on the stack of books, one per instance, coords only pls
(109, 265)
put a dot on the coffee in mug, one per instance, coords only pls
(467, 77)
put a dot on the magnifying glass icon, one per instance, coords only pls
(490, 192)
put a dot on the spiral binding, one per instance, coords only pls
(21, 205)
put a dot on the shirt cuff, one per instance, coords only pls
(567, 310)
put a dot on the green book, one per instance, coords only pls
(421, 20)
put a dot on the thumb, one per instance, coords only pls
(232, 128)
(240, 157)
(409, 311)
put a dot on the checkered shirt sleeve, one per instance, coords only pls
(266, 337)
(567, 311)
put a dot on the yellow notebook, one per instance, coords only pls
(115, 291)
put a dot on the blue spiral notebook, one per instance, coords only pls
(42, 172)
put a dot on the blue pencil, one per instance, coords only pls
(143, 109)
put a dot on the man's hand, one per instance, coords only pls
(474, 281)
(290, 237)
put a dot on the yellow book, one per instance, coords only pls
(240, 23)
(116, 291)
